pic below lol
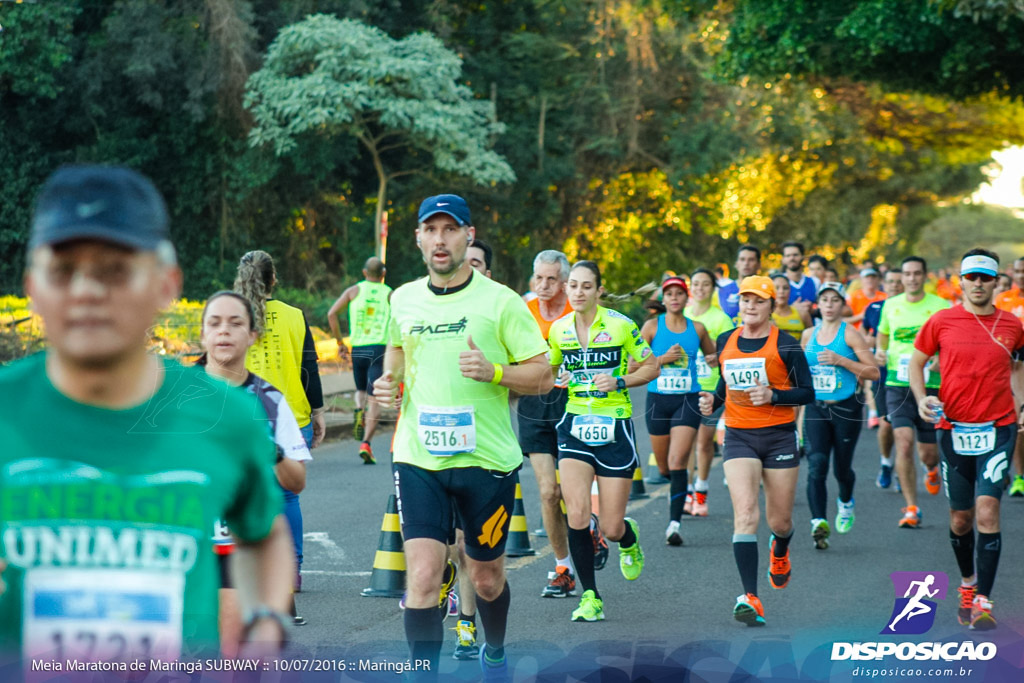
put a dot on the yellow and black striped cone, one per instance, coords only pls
(518, 537)
(388, 577)
(639, 490)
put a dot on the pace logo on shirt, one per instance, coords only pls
(445, 329)
(907, 335)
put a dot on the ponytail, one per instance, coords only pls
(593, 268)
(254, 281)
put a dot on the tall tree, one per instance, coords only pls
(401, 99)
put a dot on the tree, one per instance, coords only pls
(399, 98)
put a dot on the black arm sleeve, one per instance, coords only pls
(799, 374)
(311, 372)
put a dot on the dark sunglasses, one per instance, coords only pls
(984, 277)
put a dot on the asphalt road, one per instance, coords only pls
(678, 614)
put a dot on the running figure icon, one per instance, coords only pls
(916, 604)
(915, 607)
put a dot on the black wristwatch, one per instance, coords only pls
(620, 383)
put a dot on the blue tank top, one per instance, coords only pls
(679, 377)
(831, 382)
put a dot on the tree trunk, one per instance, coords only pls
(382, 195)
(540, 132)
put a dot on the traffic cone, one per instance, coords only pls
(388, 577)
(652, 461)
(638, 491)
(518, 537)
(561, 502)
(595, 500)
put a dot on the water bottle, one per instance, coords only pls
(939, 413)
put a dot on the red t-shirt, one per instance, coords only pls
(976, 355)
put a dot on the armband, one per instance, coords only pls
(499, 372)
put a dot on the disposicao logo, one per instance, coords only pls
(914, 612)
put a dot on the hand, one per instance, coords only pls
(706, 402)
(319, 428)
(385, 390)
(926, 408)
(674, 353)
(760, 394)
(605, 382)
(829, 357)
(564, 377)
(802, 306)
(881, 356)
(473, 364)
(711, 360)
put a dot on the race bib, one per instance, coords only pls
(673, 381)
(825, 378)
(221, 535)
(102, 614)
(973, 438)
(740, 374)
(447, 431)
(593, 430)
(903, 370)
(703, 369)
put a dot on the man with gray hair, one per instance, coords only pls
(538, 416)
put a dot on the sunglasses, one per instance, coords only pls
(984, 277)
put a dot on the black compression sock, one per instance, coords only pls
(581, 547)
(628, 539)
(425, 632)
(494, 616)
(963, 549)
(744, 549)
(782, 544)
(989, 546)
(677, 494)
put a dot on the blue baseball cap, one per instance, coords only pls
(106, 203)
(979, 264)
(451, 204)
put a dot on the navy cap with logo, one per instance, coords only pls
(106, 203)
(451, 204)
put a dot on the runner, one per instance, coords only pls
(702, 288)
(369, 309)
(902, 319)
(764, 378)
(816, 266)
(285, 356)
(1013, 301)
(748, 262)
(792, 320)
(595, 436)
(134, 474)
(868, 293)
(228, 330)
(869, 326)
(1004, 283)
(839, 360)
(480, 255)
(803, 290)
(454, 448)
(538, 418)
(979, 348)
(673, 415)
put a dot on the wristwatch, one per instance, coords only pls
(264, 612)
(620, 383)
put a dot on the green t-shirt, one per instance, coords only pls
(106, 515)
(614, 339)
(369, 313)
(716, 322)
(901, 321)
(448, 420)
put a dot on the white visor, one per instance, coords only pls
(979, 264)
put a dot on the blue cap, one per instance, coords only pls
(451, 204)
(979, 264)
(107, 203)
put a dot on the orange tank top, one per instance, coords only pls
(545, 325)
(740, 371)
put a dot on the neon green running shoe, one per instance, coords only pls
(1017, 487)
(845, 517)
(631, 559)
(591, 608)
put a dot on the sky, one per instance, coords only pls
(1006, 181)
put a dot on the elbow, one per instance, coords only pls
(546, 383)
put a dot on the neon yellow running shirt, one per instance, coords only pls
(614, 339)
(448, 420)
(901, 321)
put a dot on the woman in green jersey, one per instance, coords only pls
(595, 436)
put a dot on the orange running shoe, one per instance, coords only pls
(911, 518)
(700, 504)
(779, 568)
(366, 453)
(749, 610)
(963, 612)
(981, 614)
(932, 481)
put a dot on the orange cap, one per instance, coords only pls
(759, 285)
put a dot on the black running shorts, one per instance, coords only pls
(616, 459)
(902, 411)
(538, 419)
(665, 411)
(774, 446)
(367, 366)
(428, 501)
(967, 476)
